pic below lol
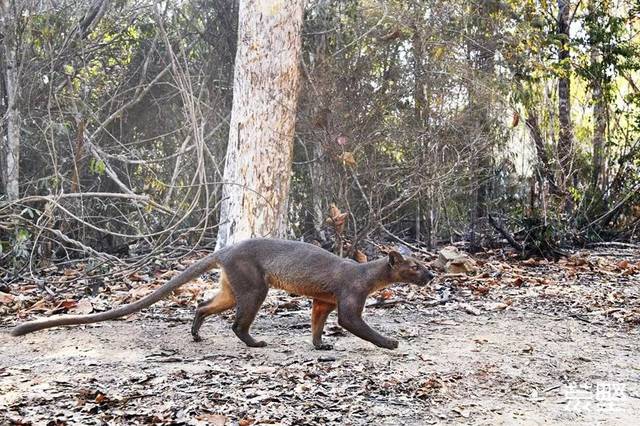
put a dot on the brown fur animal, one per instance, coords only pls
(251, 267)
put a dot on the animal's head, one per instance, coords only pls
(408, 270)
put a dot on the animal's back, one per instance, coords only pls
(294, 266)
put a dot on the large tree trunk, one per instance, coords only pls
(10, 138)
(265, 91)
(565, 138)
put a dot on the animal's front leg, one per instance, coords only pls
(350, 317)
(319, 313)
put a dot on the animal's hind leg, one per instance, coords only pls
(246, 311)
(219, 303)
(251, 288)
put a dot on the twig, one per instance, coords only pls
(400, 240)
(506, 235)
(470, 309)
(549, 389)
(614, 244)
(580, 317)
(54, 198)
(605, 217)
(386, 303)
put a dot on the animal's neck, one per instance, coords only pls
(376, 274)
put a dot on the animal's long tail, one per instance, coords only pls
(187, 275)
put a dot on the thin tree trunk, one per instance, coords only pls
(11, 133)
(600, 118)
(318, 168)
(422, 115)
(419, 108)
(565, 138)
(265, 91)
(543, 158)
(599, 109)
(485, 45)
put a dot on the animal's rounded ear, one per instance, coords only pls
(395, 258)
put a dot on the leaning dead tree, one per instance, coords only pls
(265, 92)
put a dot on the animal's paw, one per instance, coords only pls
(324, 347)
(389, 344)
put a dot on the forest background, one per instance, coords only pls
(423, 121)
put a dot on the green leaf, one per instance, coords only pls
(22, 235)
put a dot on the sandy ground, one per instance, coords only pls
(507, 367)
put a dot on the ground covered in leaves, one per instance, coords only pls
(506, 342)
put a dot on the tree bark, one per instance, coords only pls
(565, 138)
(94, 14)
(265, 91)
(10, 155)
